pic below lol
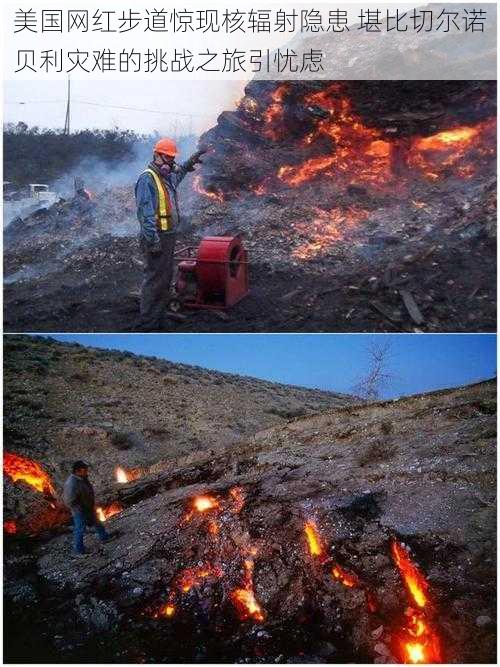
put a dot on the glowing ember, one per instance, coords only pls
(460, 148)
(314, 541)
(349, 579)
(418, 642)
(273, 116)
(168, 610)
(363, 155)
(414, 580)
(19, 468)
(104, 513)
(244, 598)
(359, 154)
(205, 503)
(201, 505)
(237, 495)
(326, 229)
(211, 194)
(192, 577)
(10, 527)
(213, 527)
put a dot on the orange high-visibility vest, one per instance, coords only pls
(163, 210)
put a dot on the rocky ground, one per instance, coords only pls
(363, 208)
(418, 472)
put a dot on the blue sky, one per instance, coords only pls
(335, 362)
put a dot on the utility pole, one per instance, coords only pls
(68, 110)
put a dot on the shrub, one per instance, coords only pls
(377, 452)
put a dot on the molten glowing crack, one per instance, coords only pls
(414, 580)
(349, 579)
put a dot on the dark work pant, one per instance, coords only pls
(80, 523)
(158, 272)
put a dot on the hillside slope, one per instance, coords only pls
(282, 547)
(65, 401)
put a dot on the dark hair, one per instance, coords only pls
(78, 465)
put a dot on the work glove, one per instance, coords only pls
(194, 159)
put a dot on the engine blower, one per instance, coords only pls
(213, 276)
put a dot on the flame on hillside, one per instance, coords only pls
(106, 512)
(22, 469)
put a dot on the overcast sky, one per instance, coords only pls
(171, 105)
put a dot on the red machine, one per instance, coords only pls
(215, 278)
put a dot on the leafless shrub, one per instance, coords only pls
(378, 375)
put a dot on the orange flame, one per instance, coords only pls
(244, 598)
(349, 579)
(459, 147)
(414, 580)
(201, 504)
(104, 513)
(28, 471)
(418, 641)
(358, 152)
(121, 475)
(273, 115)
(363, 155)
(205, 503)
(314, 541)
(168, 610)
(214, 194)
(10, 527)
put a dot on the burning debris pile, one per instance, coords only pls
(377, 200)
(365, 533)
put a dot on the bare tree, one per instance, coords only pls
(378, 374)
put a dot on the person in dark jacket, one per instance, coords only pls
(78, 496)
(159, 219)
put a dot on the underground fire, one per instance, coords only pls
(314, 541)
(418, 641)
(20, 468)
(123, 476)
(106, 512)
(414, 639)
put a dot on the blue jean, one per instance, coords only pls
(80, 523)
